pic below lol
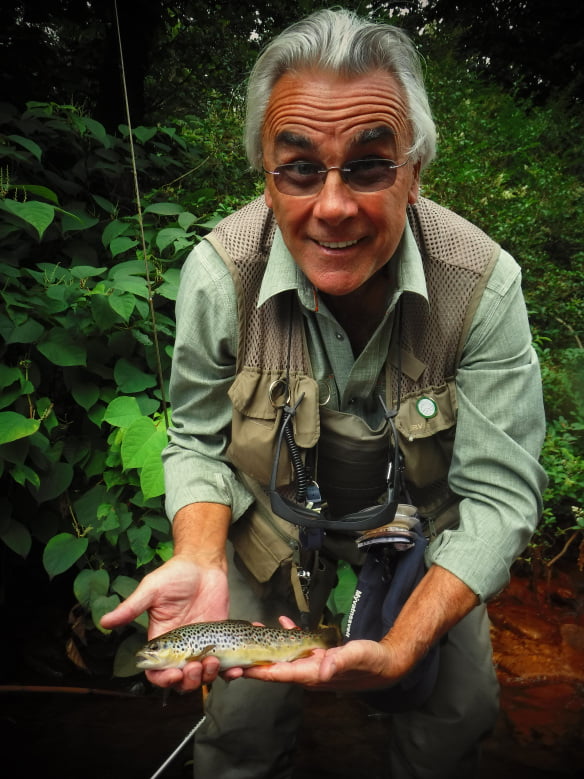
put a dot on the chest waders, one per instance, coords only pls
(355, 487)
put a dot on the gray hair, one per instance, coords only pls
(341, 43)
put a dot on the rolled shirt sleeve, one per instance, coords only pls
(499, 434)
(203, 369)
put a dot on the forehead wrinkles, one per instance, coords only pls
(309, 103)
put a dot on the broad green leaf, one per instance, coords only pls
(63, 551)
(97, 130)
(168, 209)
(54, 483)
(158, 523)
(144, 134)
(107, 206)
(137, 442)
(40, 191)
(123, 304)
(152, 475)
(27, 333)
(28, 144)
(113, 230)
(103, 314)
(169, 287)
(121, 244)
(148, 406)
(139, 538)
(8, 375)
(169, 235)
(16, 536)
(60, 347)
(77, 219)
(133, 284)
(14, 426)
(89, 584)
(38, 215)
(124, 585)
(122, 411)
(86, 394)
(87, 505)
(107, 518)
(131, 379)
(86, 271)
(165, 550)
(127, 268)
(186, 219)
(22, 474)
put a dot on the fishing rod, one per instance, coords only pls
(140, 219)
(194, 729)
(182, 744)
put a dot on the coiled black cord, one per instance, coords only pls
(296, 458)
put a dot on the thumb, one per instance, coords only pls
(128, 610)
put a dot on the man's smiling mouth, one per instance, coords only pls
(337, 244)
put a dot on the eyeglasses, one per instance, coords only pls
(307, 178)
(365, 519)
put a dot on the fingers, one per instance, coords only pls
(187, 679)
(287, 623)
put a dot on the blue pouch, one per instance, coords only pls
(392, 569)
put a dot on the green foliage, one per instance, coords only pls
(563, 453)
(501, 163)
(82, 417)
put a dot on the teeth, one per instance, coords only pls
(337, 245)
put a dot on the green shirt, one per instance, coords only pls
(500, 426)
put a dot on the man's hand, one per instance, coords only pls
(177, 593)
(190, 587)
(358, 665)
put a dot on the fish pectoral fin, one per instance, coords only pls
(208, 650)
(306, 653)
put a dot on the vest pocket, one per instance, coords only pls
(426, 425)
(256, 422)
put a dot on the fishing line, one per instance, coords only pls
(182, 744)
(140, 220)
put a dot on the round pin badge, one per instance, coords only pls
(426, 408)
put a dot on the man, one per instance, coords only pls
(346, 289)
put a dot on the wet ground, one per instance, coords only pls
(57, 722)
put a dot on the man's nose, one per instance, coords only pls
(336, 200)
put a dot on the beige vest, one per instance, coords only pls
(458, 259)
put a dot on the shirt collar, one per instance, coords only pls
(282, 274)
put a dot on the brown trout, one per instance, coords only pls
(235, 642)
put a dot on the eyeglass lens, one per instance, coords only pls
(307, 178)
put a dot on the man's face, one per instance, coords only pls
(338, 237)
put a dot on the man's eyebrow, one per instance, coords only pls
(289, 138)
(372, 134)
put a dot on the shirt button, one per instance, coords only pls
(340, 336)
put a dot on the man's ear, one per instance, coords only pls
(414, 191)
(268, 197)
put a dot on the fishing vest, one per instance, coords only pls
(458, 259)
